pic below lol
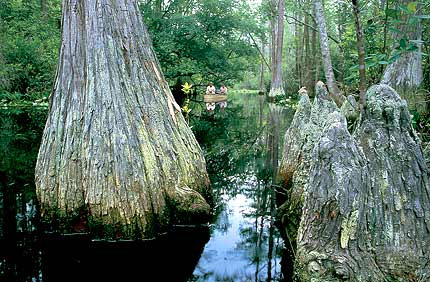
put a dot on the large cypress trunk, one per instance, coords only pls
(116, 152)
(364, 198)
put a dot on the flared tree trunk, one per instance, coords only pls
(116, 152)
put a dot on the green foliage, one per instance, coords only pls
(30, 41)
(201, 41)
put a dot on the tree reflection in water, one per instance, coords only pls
(242, 156)
(243, 243)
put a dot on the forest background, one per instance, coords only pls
(224, 41)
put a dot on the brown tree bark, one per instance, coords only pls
(116, 148)
(325, 53)
(361, 52)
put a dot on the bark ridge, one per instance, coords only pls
(365, 197)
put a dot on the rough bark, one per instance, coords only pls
(361, 52)
(325, 53)
(366, 197)
(305, 130)
(116, 150)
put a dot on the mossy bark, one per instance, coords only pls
(365, 199)
(116, 148)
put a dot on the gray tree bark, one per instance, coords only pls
(273, 38)
(277, 86)
(325, 53)
(406, 74)
(115, 144)
(365, 197)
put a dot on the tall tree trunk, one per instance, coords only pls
(342, 14)
(406, 73)
(308, 80)
(277, 87)
(116, 149)
(314, 65)
(299, 48)
(273, 38)
(361, 52)
(325, 53)
(262, 87)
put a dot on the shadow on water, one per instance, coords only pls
(242, 243)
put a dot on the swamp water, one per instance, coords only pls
(241, 243)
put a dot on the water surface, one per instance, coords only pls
(241, 243)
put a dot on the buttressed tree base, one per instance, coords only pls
(117, 156)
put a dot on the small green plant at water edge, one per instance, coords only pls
(288, 101)
(186, 88)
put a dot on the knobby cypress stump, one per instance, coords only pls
(364, 197)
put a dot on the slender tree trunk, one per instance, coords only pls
(299, 52)
(314, 65)
(325, 53)
(116, 148)
(361, 52)
(384, 45)
(308, 80)
(262, 88)
(273, 39)
(277, 87)
(342, 14)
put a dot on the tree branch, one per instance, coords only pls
(311, 27)
(259, 51)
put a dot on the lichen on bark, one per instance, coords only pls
(365, 196)
(115, 143)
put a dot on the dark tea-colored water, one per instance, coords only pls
(240, 244)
